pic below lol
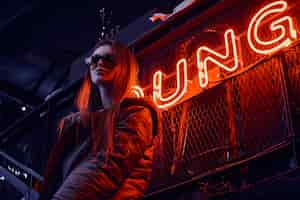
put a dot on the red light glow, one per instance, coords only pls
(137, 91)
(284, 24)
(181, 75)
(231, 60)
(205, 54)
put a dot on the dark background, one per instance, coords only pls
(40, 40)
(39, 43)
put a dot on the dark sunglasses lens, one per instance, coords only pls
(95, 59)
(107, 58)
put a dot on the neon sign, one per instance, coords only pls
(268, 14)
(137, 91)
(284, 24)
(217, 58)
(181, 77)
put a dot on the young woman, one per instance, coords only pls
(105, 150)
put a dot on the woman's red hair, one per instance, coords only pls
(88, 97)
(125, 78)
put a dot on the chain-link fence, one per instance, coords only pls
(239, 116)
(243, 116)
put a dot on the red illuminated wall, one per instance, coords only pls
(230, 39)
(243, 111)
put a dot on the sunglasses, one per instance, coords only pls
(107, 58)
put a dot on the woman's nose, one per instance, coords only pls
(100, 62)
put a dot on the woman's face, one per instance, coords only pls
(103, 65)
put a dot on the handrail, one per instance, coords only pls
(21, 166)
(225, 167)
(11, 130)
(19, 185)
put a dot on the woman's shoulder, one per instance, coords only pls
(77, 118)
(134, 105)
(69, 121)
(131, 103)
(140, 109)
(72, 118)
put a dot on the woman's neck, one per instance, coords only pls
(106, 94)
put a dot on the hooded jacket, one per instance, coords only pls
(73, 172)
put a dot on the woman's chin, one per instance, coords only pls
(102, 80)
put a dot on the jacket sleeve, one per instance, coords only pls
(95, 179)
(52, 174)
(136, 184)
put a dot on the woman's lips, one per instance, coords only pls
(101, 70)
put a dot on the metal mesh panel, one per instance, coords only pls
(240, 117)
(208, 131)
(262, 108)
(292, 64)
